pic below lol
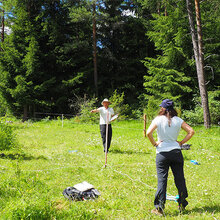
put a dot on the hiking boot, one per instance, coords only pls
(181, 208)
(158, 212)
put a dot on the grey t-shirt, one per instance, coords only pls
(168, 135)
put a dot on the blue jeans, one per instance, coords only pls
(164, 160)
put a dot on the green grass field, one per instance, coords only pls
(51, 157)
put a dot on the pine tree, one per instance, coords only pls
(19, 58)
(210, 11)
(122, 39)
(167, 75)
(38, 67)
(81, 46)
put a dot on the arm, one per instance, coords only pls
(150, 131)
(190, 133)
(94, 111)
(115, 118)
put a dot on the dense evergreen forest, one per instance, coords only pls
(55, 52)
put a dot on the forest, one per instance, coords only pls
(59, 59)
(56, 54)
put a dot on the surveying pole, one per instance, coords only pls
(106, 140)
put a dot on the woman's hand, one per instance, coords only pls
(180, 143)
(157, 143)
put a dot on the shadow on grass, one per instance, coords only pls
(208, 209)
(19, 156)
(118, 151)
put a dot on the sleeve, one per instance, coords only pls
(180, 121)
(100, 109)
(112, 111)
(155, 121)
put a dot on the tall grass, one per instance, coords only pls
(7, 137)
(53, 157)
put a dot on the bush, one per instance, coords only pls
(118, 105)
(196, 116)
(3, 109)
(83, 107)
(152, 108)
(153, 102)
(7, 138)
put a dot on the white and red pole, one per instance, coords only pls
(106, 140)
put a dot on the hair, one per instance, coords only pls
(169, 113)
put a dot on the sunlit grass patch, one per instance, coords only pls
(52, 157)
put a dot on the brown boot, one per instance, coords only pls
(158, 212)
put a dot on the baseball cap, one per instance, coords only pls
(167, 103)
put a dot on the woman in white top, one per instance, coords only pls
(168, 154)
(106, 114)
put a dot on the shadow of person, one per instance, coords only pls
(210, 209)
(213, 209)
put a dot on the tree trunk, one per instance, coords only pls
(201, 75)
(3, 26)
(165, 9)
(94, 49)
(25, 113)
(34, 111)
(158, 8)
(199, 58)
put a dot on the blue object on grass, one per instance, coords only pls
(194, 162)
(172, 198)
(72, 151)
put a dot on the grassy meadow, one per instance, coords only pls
(50, 158)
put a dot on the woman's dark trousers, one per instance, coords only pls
(103, 134)
(164, 160)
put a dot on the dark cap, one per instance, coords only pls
(167, 103)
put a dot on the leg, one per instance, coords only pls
(178, 173)
(103, 134)
(109, 136)
(162, 173)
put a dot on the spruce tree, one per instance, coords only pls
(41, 64)
(123, 44)
(168, 73)
(19, 58)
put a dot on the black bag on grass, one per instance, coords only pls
(80, 192)
(185, 146)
